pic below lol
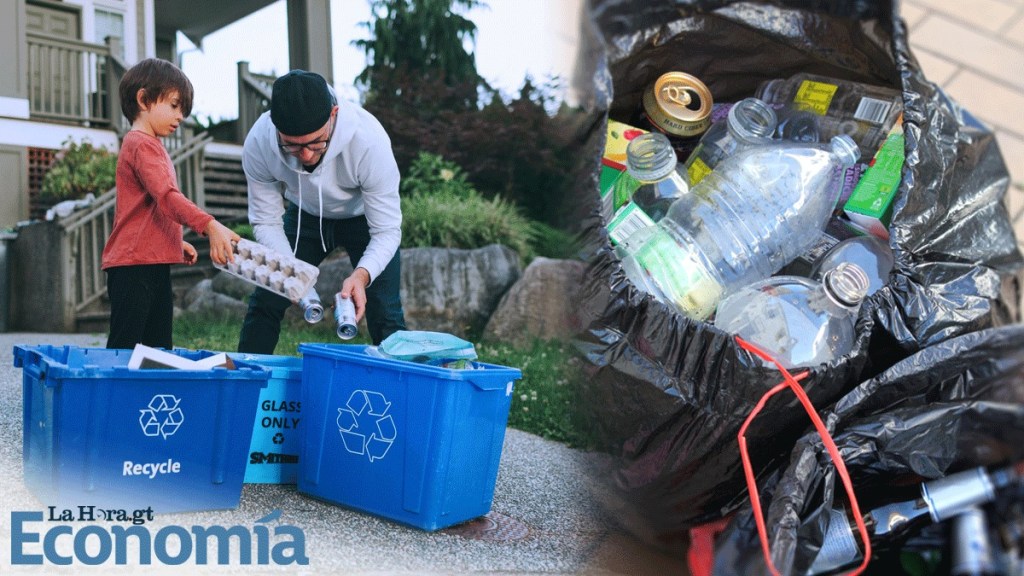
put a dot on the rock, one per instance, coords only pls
(541, 304)
(201, 289)
(203, 298)
(453, 290)
(333, 271)
(231, 285)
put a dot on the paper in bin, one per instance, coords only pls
(282, 274)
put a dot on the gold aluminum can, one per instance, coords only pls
(678, 104)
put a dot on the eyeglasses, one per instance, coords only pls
(315, 146)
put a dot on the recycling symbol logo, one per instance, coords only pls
(366, 426)
(163, 417)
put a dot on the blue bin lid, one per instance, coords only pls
(485, 376)
(60, 362)
(283, 367)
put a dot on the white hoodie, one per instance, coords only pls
(357, 175)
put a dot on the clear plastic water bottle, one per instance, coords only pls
(651, 160)
(757, 211)
(751, 122)
(798, 321)
(872, 255)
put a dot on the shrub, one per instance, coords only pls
(78, 170)
(243, 229)
(441, 209)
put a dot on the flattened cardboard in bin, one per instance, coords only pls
(667, 394)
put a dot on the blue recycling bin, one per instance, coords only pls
(96, 433)
(412, 443)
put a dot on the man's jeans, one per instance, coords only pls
(384, 316)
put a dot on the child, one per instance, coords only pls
(147, 235)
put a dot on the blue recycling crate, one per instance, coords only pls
(276, 433)
(97, 433)
(412, 443)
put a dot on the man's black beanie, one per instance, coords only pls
(300, 103)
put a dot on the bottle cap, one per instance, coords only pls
(847, 283)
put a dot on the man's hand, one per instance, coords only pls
(221, 237)
(354, 287)
(188, 251)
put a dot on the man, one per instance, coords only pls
(321, 175)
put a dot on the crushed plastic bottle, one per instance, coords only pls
(756, 212)
(798, 321)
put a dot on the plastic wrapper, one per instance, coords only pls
(953, 406)
(667, 395)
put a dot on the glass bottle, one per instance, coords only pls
(750, 122)
(758, 210)
(940, 500)
(862, 111)
(798, 321)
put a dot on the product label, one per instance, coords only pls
(678, 272)
(618, 138)
(872, 110)
(839, 547)
(814, 96)
(697, 171)
(627, 221)
(608, 177)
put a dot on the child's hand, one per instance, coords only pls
(189, 252)
(221, 237)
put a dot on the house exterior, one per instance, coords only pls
(59, 73)
(62, 61)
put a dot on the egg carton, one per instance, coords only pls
(279, 273)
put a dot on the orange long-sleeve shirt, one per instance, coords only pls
(150, 208)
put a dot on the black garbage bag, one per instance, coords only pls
(666, 394)
(955, 405)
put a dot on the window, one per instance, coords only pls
(109, 24)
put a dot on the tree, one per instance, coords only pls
(416, 43)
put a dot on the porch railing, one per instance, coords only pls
(74, 81)
(253, 98)
(86, 231)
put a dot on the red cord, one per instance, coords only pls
(789, 381)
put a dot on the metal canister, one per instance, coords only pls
(679, 105)
(345, 316)
(312, 309)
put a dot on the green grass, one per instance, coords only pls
(542, 401)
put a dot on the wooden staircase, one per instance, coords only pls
(225, 188)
